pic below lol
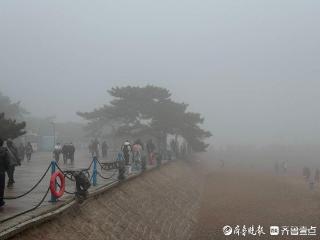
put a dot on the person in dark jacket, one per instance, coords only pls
(14, 161)
(4, 166)
(72, 150)
(126, 149)
(68, 151)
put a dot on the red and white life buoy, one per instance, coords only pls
(53, 189)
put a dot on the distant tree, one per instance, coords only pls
(10, 128)
(11, 109)
(9, 112)
(148, 110)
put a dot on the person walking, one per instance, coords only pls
(72, 150)
(136, 154)
(121, 166)
(29, 151)
(4, 166)
(68, 151)
(126, 149)
(95, 148)
(57, 151)
(150, 149)
(14, 161)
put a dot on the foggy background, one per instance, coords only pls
(250, 67)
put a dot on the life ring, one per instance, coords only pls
(53, 189)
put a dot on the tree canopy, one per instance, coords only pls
(9, 128)
(148, 110)
(11, 109)
(9, 112)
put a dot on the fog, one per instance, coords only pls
(251, 68)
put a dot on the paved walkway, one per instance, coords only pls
(28, 174)
(162, 204)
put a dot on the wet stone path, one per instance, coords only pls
(29, 173)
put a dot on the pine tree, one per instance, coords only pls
(148, 110)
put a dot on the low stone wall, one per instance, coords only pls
(160, 204)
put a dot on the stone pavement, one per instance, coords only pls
(161, 204)
(28, 174)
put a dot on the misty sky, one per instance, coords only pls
(250, 67)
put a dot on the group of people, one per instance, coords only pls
(136, 150)
(178, 150)
(311, 179)
(25, 151)
(10, 157)
(94, 148)
(67, 151)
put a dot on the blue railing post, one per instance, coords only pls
(53, 170)
(94, 174)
